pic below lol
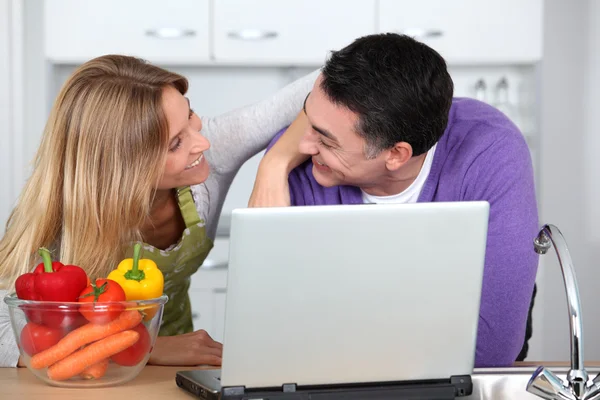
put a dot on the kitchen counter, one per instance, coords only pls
(153, 383)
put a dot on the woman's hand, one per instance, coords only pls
(189, 349)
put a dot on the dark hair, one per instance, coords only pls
(400, 89)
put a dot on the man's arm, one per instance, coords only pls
(240, 134)
(271, 188)
(507, 183)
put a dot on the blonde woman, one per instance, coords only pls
(123, 158)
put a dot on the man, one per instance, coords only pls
(384, 128)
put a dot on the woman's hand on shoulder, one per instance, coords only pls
(189, 349)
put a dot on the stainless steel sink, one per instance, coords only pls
(510, 383)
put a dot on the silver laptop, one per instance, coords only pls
(324, 295)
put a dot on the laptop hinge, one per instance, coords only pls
(463, 385)
(234, 391)
(288, 387)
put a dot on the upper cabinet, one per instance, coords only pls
(280, 33)
(288, 32)
(470, 31)
(175, 31)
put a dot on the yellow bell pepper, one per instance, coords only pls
(140, 278)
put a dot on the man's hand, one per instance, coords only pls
(271, 187)
(190, 349)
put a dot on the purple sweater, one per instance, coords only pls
(481, 156)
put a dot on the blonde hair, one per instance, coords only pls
(96, 170)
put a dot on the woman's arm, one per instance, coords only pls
(9, 352)
(240, 134)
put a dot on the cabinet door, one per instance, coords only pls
(276, 32)
(174, 32)
(208, 311)
(207, 295)
(470, 31)
(219, 315)
(202, 301)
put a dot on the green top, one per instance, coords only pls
(178, 264)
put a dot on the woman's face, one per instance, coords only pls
(186, 164)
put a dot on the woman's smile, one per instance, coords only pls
(195, 163)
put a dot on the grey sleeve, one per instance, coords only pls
(238, 135)
(9, 352)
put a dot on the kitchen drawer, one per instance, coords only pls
(203, 309)
(470, 31)
(220, 298)
(168, 32)
(208, 311)
(285, 32)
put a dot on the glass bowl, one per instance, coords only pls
(71, 344)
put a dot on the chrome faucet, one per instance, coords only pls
(543, 382)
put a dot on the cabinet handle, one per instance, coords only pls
(210, 264)
(170, 33)
(195, 315)
(422, 33)
(252, 34)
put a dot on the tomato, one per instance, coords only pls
(103, 290)
(135, 353)
(36, 338)
(66, 318)
(61, 317)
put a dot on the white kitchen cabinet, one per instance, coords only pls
(274, 32)
(202, 303)
(284, 32)
(220, 296)
(470, 32)
(207, 298)
(171, 32)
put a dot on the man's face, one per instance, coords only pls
(338, 152)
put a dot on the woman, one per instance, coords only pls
(122, 160)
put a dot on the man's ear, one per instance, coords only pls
(398, 156)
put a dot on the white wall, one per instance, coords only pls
(11, 105)
(35, 68)
(592, 124)
(5, 116)
(23, 101)
(569, 171)
(591, 176)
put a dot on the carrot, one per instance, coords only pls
(83, 335)
(77, 362)
(95, 371)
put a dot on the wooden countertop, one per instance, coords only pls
(152, 383)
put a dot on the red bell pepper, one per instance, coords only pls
(51, 281)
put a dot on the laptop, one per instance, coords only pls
(350, 298)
